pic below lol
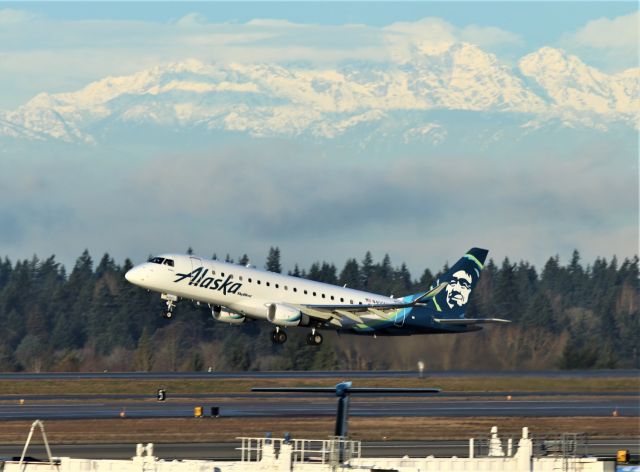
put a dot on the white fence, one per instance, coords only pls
(280, 455)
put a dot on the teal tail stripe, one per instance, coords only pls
(472, 258)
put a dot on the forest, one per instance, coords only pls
(574, 316)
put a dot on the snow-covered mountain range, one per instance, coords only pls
(547, 88)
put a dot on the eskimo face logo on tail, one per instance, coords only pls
(458, 289)
(198, 278)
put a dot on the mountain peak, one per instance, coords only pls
(433, 48)
(269, 99)
(573, 85)
(189, 65)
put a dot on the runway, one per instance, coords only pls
(288, 406)
(246, 405)
(213, 396)
(229, 451)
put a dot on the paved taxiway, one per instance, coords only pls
(213, 396)
(452, 404)
(289, 406)
(229, 451)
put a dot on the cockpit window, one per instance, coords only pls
(156, 260)
(168, 262)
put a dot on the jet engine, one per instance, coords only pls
(227, 316)
(284, 315)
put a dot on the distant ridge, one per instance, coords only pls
(549, 88)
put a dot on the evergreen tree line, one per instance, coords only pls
(571, 316)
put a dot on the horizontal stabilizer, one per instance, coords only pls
(469, 321)
(431, 293)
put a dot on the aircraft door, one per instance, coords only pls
(196, 263)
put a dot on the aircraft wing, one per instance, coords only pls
(335, 314)
(469, 321)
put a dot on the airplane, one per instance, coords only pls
(236, 294)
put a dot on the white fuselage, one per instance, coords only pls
(245, 290)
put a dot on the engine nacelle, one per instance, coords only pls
(227, 316)
(284, 315)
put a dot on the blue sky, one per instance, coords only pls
(77, 42)
(521, 16)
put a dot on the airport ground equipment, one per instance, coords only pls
(343, 391)
(39, 424)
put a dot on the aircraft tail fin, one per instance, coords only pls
(449, 295)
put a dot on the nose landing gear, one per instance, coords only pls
(170, 301)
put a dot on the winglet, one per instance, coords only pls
(431, 293)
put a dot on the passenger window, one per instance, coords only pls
(331, 297)
(231, 276)
(360, 303)
(268, 284)
(314, 294)
(295, 289)
(351, 301)
(240, 277)
(258, 282)
(277, 286)
(221, 274)
(305, 292)
(323, 295)
(285, 287)
(341, 300)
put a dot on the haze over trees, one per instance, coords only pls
(564, 316)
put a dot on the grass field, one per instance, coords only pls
(451, 384)
(227, 429)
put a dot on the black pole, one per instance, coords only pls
(342, 416)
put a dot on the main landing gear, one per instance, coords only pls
(314, 338)
(278, 336)
(170, 301)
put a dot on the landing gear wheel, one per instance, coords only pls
(171, 304)
(314, 339)
(278, 337)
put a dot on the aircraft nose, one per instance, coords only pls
(135, 275)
